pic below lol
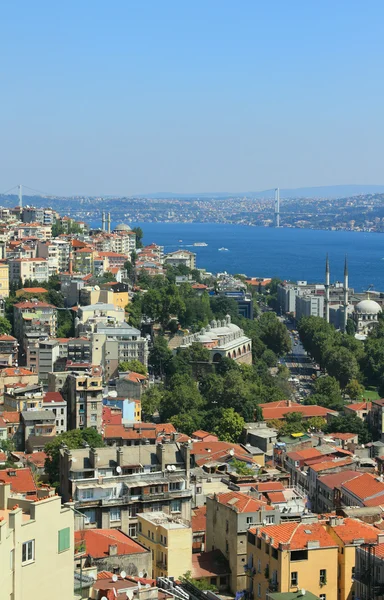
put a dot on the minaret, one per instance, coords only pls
(327, 276)
(345, 294)
(103, 221)
(109, 222)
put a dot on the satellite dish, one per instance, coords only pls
(231, 452)
(97, 288)
(114, 578)
(118, 469)
(112, 394)
(303, 592)
(173, 467)
(123, 574)
(140, 573)
(169, 467)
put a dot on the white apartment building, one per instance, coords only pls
(28, 268)
(63, 251)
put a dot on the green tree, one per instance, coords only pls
(151, 401)
(139, 236)
(354, 389)
(222, 306)
(342, 364)
(241, 468)
(349, 424)
(132, 365)
(293, 423)
(188, 422)
(230, 427)
(5, 326)
(200, 584)
(182, 396)
(274, 334)
(317, 423)
(65, 324)
(72, 439)
(160, 355)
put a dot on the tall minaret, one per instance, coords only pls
(103, 221)
(109, 222)
(345, 293)
(327, 276)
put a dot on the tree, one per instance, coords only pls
(139, 236)
(317, 423)
(269, 357)
(187, 422)
(182, 396)
(241, 468)
(72, 439)
(132, 365)
(65, 324)
(349, 424)
(160, 355)
(342, 364)
(327, 391)
(274, 334)
(230, 427)
(354, 389)
(200, 584)
(151, 400)
(5, 326)
(293, 423)
(222, 306)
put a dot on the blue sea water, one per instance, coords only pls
(294, 254)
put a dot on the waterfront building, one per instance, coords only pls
(181, 257)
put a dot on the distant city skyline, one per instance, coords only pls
(139, 98)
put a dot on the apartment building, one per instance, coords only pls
(17, 382)
(55, 402)
(34, 564)
(21, 269)
(113, 343)
(111, 485)
(4, 279)
(83, 392)
(32, 316)
(292, 556)
(369, 572)
(50, 252)
(169, 539)
(37, 424)
(229, 516)
(47, 355)
(63, 253)
(8, 351)
(181, 257)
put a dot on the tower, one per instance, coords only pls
(103, 221)
(109, 222)
(277, 207)
(345, 289)
(327, 282)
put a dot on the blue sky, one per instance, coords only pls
(129, 97)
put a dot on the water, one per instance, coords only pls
(292, 254)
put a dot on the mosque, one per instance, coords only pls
(365, 312)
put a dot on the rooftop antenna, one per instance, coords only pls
(20, 195)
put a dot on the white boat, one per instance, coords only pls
(200, 244)
(223, 249)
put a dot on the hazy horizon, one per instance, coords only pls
(136, 98)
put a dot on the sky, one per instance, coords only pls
(130, 97)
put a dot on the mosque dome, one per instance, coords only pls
(122, 227)
(368, 307)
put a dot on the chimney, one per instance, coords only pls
(119, 457)
(380, 538)
(160, 454)
(112, 550)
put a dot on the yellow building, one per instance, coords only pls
(170, 541)
(348, 534)
(4, 280)
(36, 548)
(292, 556)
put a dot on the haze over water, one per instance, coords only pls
(292, 254)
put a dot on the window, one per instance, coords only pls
(323, 576)
(132, 530)
(294, 579)
(259, 590)
(353, 572)
(88, 494)
(28, 552)
(165, 540)
(64, 542)
(115, 513)
(176, 506)
(270, 520)
(93, 405)
(174, 485)
(259, 566)
(226, 546)
(93, 418)
(226, 526)
(249, 520)
(90, 516)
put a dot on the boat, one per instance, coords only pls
(180, 241)
(223, 249)
(200, 244)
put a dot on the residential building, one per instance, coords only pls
(120, 296)
(169, 539)
(280, 408)
(222, 339)
(199, 528)
(50, 252)
(21, 481)
(377, 418)
(229, 516)
(211, 566)
(181, 257)
(38, 565)
(111, 485)
(291, 556)
(21, 269)
(328, 496)
(112, 550)
(12, 421)
(90, 295)
(309, 306)
(259, 435)
(364, 490)
(8, 351)
(350, 534)
(83, 392)
(37, 424)
(55, 402)
(4, 279)
(360, 409)
(89, 316)
(131, 384)
(33, 321)
(130, 409)
(63, 253)
(24, 396)
(47, 355)
(369, 572)
(117, 342)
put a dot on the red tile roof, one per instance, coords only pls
(304, 454)
(331, 464)
(3, 457)
(199, 518)
(97, 542)
(136, 377)
(38, 304)
(16, 372)
(119, 431)
(201, 434)
(242, 503)
(34, 290)
(7, 338)
(111, 417)
(21, 480)
(353, 529)
(342, 436)
(365, 488)
(334, 480)
(11, 416)
(306, 411)
(269, 486)
(359, 406)
(36, 458)
(52, 397)
(297, 535)
(276, 497)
